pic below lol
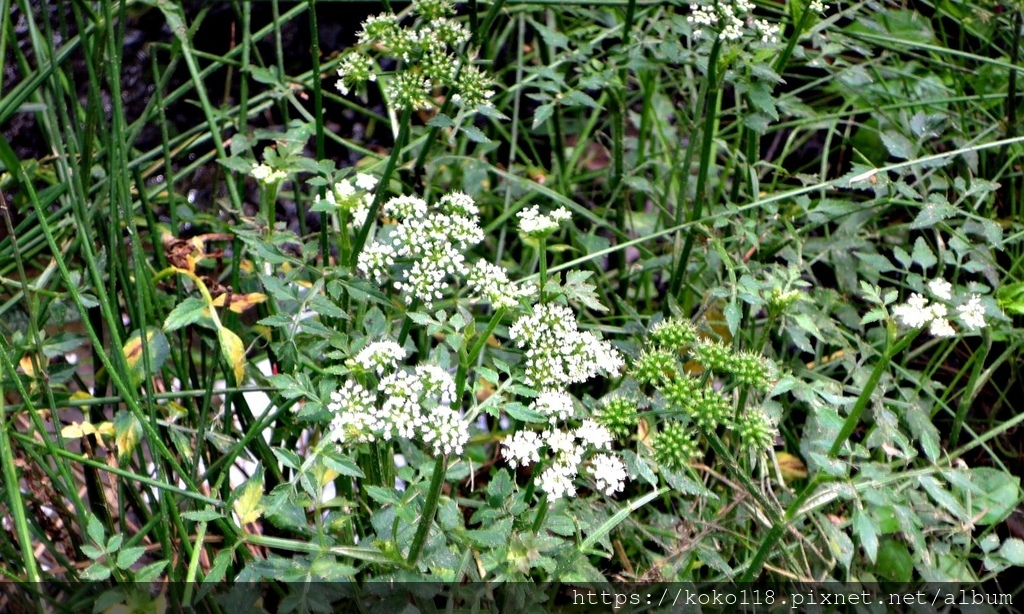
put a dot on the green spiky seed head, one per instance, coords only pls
(710, 409)
(676, 334)
(755, 371)
(430, 10)
(675, 446)
(755, 431)
(680, 394)
(618, 415)
(716, 357)
(655, 367)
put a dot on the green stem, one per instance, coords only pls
(385, 180)
(893, 347)
(542, 512)
(14, 500)
(542, 253)
(429, 509)
(707, 146)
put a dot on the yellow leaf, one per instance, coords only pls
(248, 498)
(127, 434)
(239, 302)
(233, 351)
(86, 428)
(792, 468)
(644, 433)
(27, 365)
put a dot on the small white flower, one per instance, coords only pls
(941, 288)
(556, 481)
(595, 435)
(972, 313)
(818, 6)
(380, 355)
(522, 448)
(915, 313)
(609, 473)
(366, 182)
(556, 405)
(266, 175)
(940, 327)
(532, 223)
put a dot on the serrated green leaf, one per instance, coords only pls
(1013, 551)
(202, 515)
(94, 528)
(96, 573)
(189, 311)
(866, 529)
(151, 572)
(128, 556)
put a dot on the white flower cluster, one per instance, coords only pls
(734, 19)
(379, 356)
(557, 352)
(568, 449)
(427, 50)
(918, 311)
(490, 283)
(427, 244)
(428, 241)
(408, 404)
(533, 224)
(355, 199)
(817, 6)
(266, 175)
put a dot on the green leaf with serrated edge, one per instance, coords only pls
(1013, 551)
(247, 499)
(94, 528)
(866, 530)
(128, 556)
(999, 494)
(342, 464)
(151, 572)
(202, 515)
(189, 311)
(95, 573)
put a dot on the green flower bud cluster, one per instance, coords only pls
(754, 430)
(675, 334)
(618, 415)
(747, 368)
(674, 446)
(427, 51)
(655, 367)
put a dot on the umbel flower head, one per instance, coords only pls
(567, 449)
(422, 252)
(414, 404)
(733, 20)
(675, 446)
(427, 50)
(618, 415)
(918, 311)
(557, 352)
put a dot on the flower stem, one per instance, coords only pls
(429, 509)
(893, 347)
(542, 250)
